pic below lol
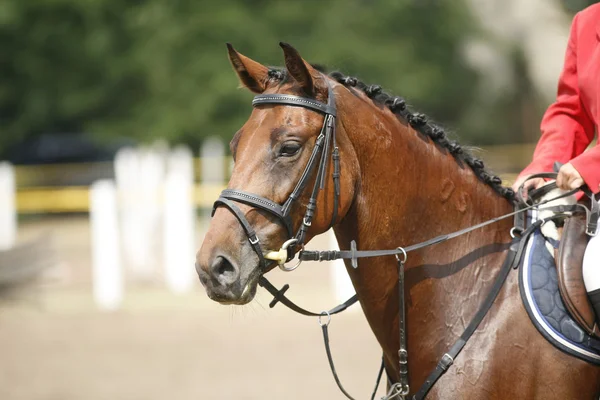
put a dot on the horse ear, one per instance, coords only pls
(252, 74)
(306, 76)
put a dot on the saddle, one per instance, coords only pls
(569, 262)
(573, 237)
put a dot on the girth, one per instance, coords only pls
(325, 143)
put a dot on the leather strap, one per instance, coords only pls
(254, 200)
(335, 155)
(535, 193)
(512, 260)
(448, 359)
(325, 330)
(336, 181)
(325, 154)
(279, 297)
(594, 216)
(307, 255)
(329, 131)
(402, 348)
(543, 190)
(310, 166)
(258, 202)
(252, 238)
(290, 100)
(593, 213)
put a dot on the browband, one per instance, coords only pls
(290, 100)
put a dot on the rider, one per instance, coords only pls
(569, 126)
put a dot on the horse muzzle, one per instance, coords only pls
(224, 283)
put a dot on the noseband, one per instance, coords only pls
(318, 158)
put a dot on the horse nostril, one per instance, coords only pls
(224, 271)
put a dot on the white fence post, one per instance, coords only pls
(179, 221)
(8, 212)
(140, 174)
(127, 180)
(341, 281)
(212, 170)
(212, 164)
(152, 168)
(106, 261)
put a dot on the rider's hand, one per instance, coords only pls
(569, 178)
(530, 184)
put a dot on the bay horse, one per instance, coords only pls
(398, 180)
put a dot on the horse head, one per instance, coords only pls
(280, 154)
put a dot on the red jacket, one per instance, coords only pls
(569, 124)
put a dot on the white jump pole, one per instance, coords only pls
(128, 183)
(341, 281)
(152, 164)
(212, 167)
(140, 174)
(8, 211)
(179, 222)
(107, 274)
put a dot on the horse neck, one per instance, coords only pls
(408, 188)
(408, 191)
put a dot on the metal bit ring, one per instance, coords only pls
(403, 253)
(323, 314)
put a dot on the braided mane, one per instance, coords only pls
(420, 122)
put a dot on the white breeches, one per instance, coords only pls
(591, 264)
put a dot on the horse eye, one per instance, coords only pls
(289, 149)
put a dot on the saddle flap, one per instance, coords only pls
(569, 262)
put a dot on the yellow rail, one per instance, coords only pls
(53, 200)
(75, 199)
(39, 175)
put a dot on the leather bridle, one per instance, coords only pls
(319, 158)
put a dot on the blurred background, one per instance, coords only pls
(115, 117)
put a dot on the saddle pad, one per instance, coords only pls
(538, 284)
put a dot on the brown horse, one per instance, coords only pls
(402, 182)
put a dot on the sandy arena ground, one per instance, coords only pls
(55, 344)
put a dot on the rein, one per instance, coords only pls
(326, 141)
(353, 254)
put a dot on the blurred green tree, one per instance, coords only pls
(157, 68)
(64, 65)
